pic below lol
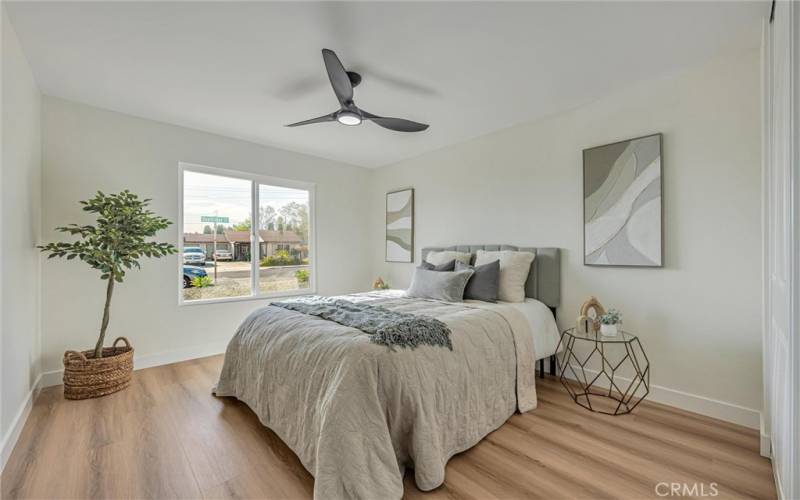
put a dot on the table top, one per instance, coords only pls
(621, 336)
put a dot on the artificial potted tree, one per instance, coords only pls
(112, 246)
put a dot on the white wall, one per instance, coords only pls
(86, 149)
(699, 316)
(21, 230)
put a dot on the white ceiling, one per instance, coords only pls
(246, 69)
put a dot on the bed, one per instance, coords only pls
(357, 413)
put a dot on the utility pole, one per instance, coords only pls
(216, 218)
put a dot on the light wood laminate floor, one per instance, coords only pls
(168, 437)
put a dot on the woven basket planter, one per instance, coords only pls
(88, 377)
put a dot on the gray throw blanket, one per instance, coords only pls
(386, 327)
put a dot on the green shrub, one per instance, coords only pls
(281, 258)
(301, 275)
(201, 281)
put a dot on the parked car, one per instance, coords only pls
(191, 272)
(223, 255)
(194, 255)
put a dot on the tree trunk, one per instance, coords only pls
(98, 349)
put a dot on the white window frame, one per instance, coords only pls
(255, 251)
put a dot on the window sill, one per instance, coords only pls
(246, 298)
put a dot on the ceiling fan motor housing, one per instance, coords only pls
(355, 78)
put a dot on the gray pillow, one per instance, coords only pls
(483, 285)
(447, 266)
(438, 285)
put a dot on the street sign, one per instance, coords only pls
(214, 219)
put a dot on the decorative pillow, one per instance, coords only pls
(514, 269)
(447, 266)
(484, 283)
(447, 286)
(437, 258)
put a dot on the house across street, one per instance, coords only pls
(238, 243)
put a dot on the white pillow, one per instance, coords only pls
(514, 269)
(437, 258)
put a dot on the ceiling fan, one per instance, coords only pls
(343, 82)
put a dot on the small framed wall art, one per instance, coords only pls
(400, 226)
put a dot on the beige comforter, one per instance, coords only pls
(357, 413)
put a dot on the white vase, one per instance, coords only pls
(608, 330)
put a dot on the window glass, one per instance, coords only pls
(216, 260)
(284, 239)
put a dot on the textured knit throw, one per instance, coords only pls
(386, 327)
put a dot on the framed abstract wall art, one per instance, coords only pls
(622, 204)
(400, 226)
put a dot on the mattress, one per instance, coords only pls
(543, 327)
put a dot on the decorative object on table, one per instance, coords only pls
(610, 323)
(400, 226)
(589, 319)
(602, 391)
(622, 202)
(379, 284)
(112, 246)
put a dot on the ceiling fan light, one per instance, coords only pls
(348, 118)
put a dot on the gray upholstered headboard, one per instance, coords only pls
(544, 281)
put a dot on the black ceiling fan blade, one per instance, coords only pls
(340, 82)
(320, 119)
(396, 124)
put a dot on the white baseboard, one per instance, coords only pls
(722, 410)
(765, 447)
(55, 377)
(765, 444)
(11, 436)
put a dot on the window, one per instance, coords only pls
(244, 236)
